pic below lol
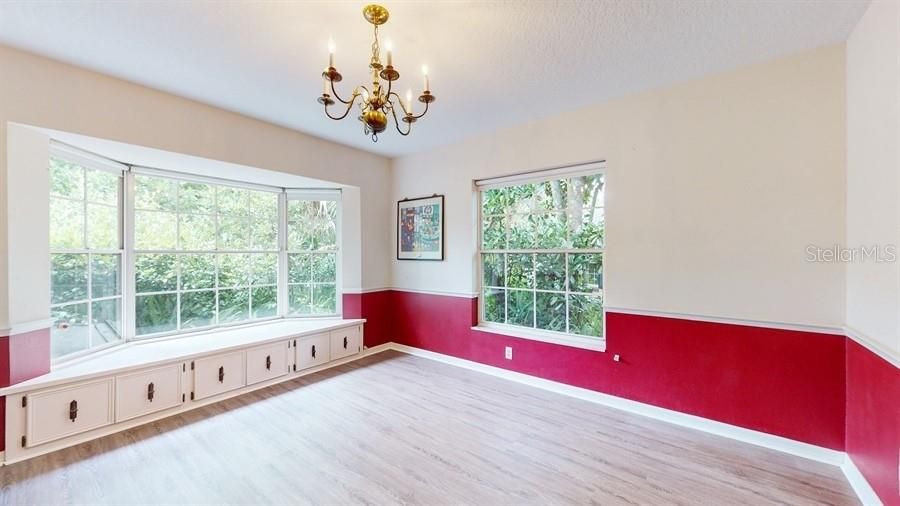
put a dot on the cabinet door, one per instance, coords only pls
(267, 362)
(149, 391)
(312, 351)
(218, 374)
(69, 410)
(345, 342)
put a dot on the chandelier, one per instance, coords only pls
(377, 103)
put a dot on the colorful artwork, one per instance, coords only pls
(420, 232)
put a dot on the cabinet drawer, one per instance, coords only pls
(146, 392)
(345, 342)
(65, 411)
(312, 351)
(217, 374)
(267, 362)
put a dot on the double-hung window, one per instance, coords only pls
(541, 255)
(85, 255)
(312, 253)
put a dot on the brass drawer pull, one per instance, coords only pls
(269, 362)
(150, 392)
(73, 410)
(221, 374)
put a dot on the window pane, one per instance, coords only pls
(494, 305)
(323, 267)
(102, 187)
(520, 308)
(493, 236)
(102, 227)
(586, 315)
(197, 232)
(106, 316)
(70, 330)
(68, 278)
(105, 276)
(550, 271)
(198, 309)
(264, 206)
(299, 267)
(66, 224)
(265, 301)
(198, 271)
(155, 193)
(232, 201)
(155, 313)
(585, 272)
(494, 270)
(300, 299)
(549, 230)
(66, 179)
(264, 235)
(234, 233)
(264, 269)
(154, 230)
(234, 270)
(551, 311)
(587, 228)
(196, 198)
(550, 195)
(234, 305)
(521, 232)
(312, 225)
(324, 299)
(494, 201)
(519, 271)
(155, 273)
(521, 198)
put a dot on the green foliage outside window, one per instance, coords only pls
(542, 255)
(312, 257)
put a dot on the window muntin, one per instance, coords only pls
(312, 256)
(85, 258)
(205, 255)
(542, 255)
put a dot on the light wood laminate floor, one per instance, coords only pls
(393, 428)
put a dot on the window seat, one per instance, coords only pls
(141, 354)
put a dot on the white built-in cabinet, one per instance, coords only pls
(67, 414)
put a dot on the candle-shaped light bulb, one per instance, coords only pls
(425, 73)
(390, 50)
(330, 52)
(409, 102)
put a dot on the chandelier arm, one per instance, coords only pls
(346, 112)
(423, 112)
(334, 94)
(400, 100)
(397, 123)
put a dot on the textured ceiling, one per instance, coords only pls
(492, 63)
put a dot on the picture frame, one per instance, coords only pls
(420, 228)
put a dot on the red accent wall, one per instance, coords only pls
(873, 420)
(375, 307)
(22, 356)
(782, 382)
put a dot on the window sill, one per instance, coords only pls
(585, 343)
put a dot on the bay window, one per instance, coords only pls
(312, 253)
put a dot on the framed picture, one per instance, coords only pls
(420, 228)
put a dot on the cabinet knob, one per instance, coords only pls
(73, 410)
(150, 392)
(269, 362)
(314, 351)
(221, 374)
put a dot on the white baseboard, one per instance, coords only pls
(861, 487)
(782, 444)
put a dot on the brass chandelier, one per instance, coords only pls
(377, 103)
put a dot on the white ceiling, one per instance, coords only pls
(492, 63)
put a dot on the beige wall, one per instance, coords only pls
(715, 189)
(44, 93)
(873, 173)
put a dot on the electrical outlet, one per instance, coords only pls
(508, 353)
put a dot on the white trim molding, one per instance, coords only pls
(25, 327)
(571, 340)
(800, 327)
(872, 345)
(864, 492)
(467, 295)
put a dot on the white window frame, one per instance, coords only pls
(92, 162)
(128, 253)
(563, 338)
